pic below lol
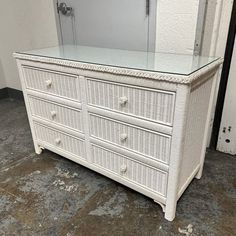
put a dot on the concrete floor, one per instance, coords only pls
(49, 195)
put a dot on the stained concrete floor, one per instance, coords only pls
(50, 195)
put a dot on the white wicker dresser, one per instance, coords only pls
(138, 118)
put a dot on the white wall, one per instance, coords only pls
(176, 26)
(217, 20)
(25, 25)
(223, 27)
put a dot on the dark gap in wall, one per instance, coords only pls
(3, 93)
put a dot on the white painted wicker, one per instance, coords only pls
(146, 130)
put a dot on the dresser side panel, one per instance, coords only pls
(37, 148)
(194, 133)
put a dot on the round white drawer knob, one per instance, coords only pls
(57, 141)
(123, 137)
(123, 168)
(53, 114)
(123, 100)
(48, 83)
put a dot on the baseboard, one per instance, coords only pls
(11, 93)
(15, 94)
(3, 93)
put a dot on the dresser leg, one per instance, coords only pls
(199, 173)
(161, 204)
(170, 212)
(38, 149)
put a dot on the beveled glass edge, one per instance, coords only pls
(123, 67)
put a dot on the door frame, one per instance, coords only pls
(200, 26)
(57, 19)
(224, 78)
(151, 25)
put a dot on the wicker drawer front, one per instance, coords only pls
(136, 172)
(56, 113)
(60, 140)
(155, 105)
(55, 83)
(152, 144)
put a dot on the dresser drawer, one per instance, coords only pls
(56, 113)
(154, 105)
(152, 144)
(60, 140)
(52, 82)
(134, 171)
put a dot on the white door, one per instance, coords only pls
(123, 24)
(227, 135)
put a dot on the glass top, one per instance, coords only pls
(139, 60)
